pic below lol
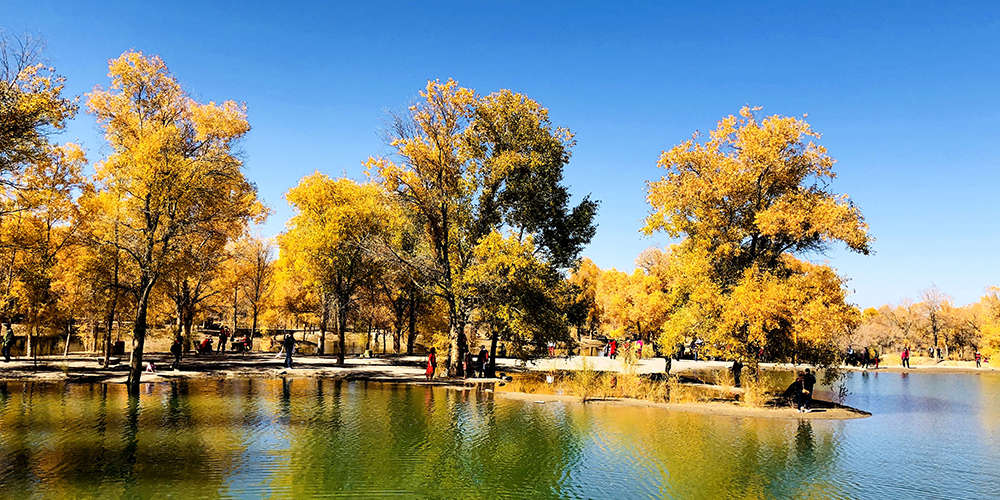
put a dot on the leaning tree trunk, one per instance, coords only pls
(69, 333)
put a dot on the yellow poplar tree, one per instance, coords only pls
(468, 165)
(31, 105)
(746, 200)
(39, 230)
(172, 172)
(329, 240)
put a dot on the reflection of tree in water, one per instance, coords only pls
(432, 442)
(688, 455)
(301, 437)
(82, 440)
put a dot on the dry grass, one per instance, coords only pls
(724, 378)
(758, 391)
(586, 381)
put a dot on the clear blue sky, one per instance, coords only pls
(906, 94)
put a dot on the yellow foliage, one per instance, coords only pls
(745, 200)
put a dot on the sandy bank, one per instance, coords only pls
(822, 410)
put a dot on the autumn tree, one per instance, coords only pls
(192, 276)
(934, 308)
(31, 106)
(746, 201)
(330, 236)
(255, 255)
(40, 227)
(584, 312)
(989, 339)
(878, 328)
(471, 165)
(172, 172)
(520, 298)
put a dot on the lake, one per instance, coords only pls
(930, 436)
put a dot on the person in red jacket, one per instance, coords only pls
(431, 364)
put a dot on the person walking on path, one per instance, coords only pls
(431, 364)
(979, 360)
(905, 356)
(175, 349)
(8, 342)
(288, 344)
(223, 337)
(613, 351)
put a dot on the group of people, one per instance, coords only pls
(476, 366)
(865, 358)
(471, 366)
(804, 383)
(611, 348)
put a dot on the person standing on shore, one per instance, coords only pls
(737, 370)
(8, 342)
(482, 360)
(175, 349)
(288, 343)
(979, 360)
(223, 337)
(808, 382)
(470, 369)
(431, 364)
(905, 357)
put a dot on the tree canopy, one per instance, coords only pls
(745, 202)
(468, 166)
(172, 174)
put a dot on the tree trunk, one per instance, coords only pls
(139, 336)
(69, 333)
(253, 323)
(411, 333)
(110, 327)
(324, 322)
(456, 329)
(341, 330)
(95, 337)
(236, 295)
(491, 371)
(188, 324)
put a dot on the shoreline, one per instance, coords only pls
(396, 369)
(823, 410)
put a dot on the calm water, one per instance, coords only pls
(932, 436)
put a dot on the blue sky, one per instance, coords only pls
(906, 95)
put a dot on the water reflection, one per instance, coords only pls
(295, 438)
